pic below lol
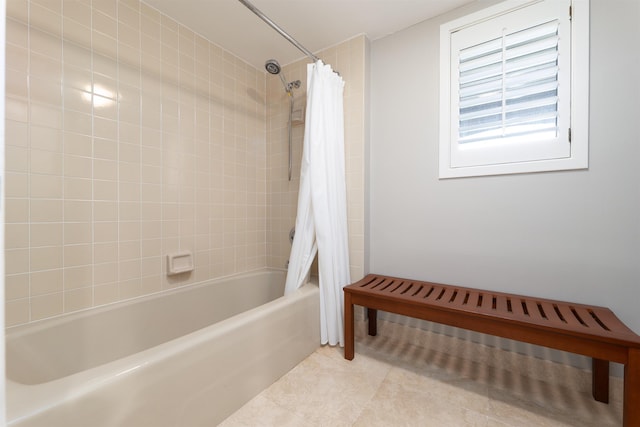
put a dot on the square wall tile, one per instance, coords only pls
(46, 282)
(46, 258)
(17, 311)
(16, 286)
(48, 305)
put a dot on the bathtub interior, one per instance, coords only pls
(52, 349)
(196, 379)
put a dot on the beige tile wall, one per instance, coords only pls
(128, 137)
(350, 60)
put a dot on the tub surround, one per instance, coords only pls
(135, 138)
(179, 146)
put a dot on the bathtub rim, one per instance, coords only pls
(25, 400)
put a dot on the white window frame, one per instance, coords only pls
(485, 162)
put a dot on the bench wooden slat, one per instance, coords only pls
(614, 324)
(502, 306)
(549, 314)
(586, 316)
(437, 290)
(444, 297)
(402, 287)
(423, 291)
(567, 315)
(473, 300)
(516, 306)
(589, 330)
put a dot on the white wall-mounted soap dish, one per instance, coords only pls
(179, 262)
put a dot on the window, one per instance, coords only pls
(514, 89)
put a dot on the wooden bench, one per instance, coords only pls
(588, 330)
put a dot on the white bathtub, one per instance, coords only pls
(187, 358)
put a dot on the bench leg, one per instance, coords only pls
(348, 327)
(600, 380)
(372, 315)
(631, 409)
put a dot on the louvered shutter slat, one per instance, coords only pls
(508, 86)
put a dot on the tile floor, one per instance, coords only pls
(396, 379)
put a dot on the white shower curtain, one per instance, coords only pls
(321, 223)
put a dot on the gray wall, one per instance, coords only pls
(563, 235)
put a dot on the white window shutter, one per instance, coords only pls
(506, 89)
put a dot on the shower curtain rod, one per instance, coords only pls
(282, 32)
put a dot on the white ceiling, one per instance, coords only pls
(316, 24)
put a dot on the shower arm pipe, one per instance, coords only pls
(282, 32)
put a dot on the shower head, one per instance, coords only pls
(272, 66)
